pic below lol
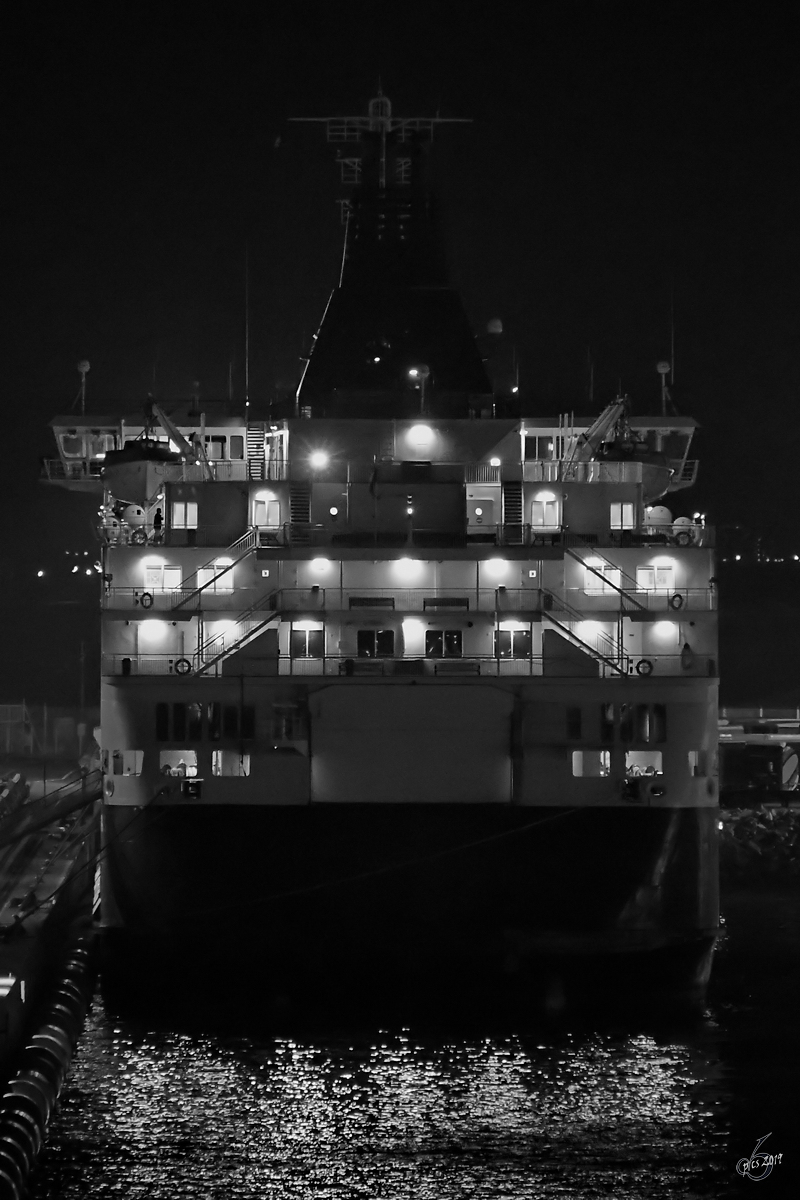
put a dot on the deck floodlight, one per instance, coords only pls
(319, 459)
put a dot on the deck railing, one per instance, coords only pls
(485, 666)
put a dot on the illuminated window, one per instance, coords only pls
(180, 763)
(230, 763)
(267, 512)
(547, 447)
(216, 578)
(643, 762)
(127, 762)
(545, 513)
(307, 643)
(587, 764)
(601, 579)
(184, 514)
(159, 577)
(622, 516)
(375, 643)
(443, 643)
(215, 447)
(512, 643)
(655, 579)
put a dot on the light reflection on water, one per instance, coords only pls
(172, 1114)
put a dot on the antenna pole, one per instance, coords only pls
(246, 329)
(672, 334)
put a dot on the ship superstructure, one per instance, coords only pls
(398, 675)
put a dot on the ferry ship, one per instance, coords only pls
(396, 682)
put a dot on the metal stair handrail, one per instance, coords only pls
(624, 595)
(246, 543)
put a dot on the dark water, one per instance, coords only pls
(637, 1108)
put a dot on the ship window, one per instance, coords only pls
(215, 579)
(214, 721)
(72, 445)
(230, 721)
(267, 512)
(544, 514)
(574, 724)
(236, 445)
(194, 722)
(182, 763)
(601, 579)
(658, 725)
(622, 516)
(215, 447)
(443, 643)
(248, 721)
(512, 643)
(607, 722)
(161, 578)
(127, 762)
(546, 448)
(230, 763)
(643, 762)
(178, 722)
(184, 514)
(162, 722)
(375, 643)
(626, 722)
(307, 643)
(285, 724)
(591, 763)
(697, 763)
(655, 579)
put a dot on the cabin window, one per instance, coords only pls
(213, 721)
(215, 447)
(187, 722)
(286, 724)
(443, 643)
(267, 512)
(626, 714)
(162, 722)
(655, 579)
(545, 513)
(601, 579)
(184, 514)
(216, 578)
(622, 516)
(607, 722)
(180, 763)
(127, 762)
(591, 763)
(512, 643)
(643, 762)
(161, 578)
(543, 447)
(307, 643)
(72, 445)
(230, 763)
(236, 445)
(375, 643)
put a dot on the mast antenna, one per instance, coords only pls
(246, 329)
(83, 367)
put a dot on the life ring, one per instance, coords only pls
(683, 538)
(146, 599)
(182, 666)
(139, 537)
(676, 601)
(644, 667)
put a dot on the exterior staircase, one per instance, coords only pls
(626, 594)
(255, 451)
(512, 513)
(236, 552)
(252, 622)
(300, 512)
(558, 612)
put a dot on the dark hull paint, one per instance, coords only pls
(289, 896)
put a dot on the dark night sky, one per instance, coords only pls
(617, 151)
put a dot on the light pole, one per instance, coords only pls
(420, 375)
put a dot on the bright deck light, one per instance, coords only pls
(408, 568)
(665, 629)
(496, 567)
(153, 630)
(494, 462)
(319, 459)
(320, 564)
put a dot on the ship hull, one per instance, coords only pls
(552, 899)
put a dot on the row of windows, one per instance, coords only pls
(604, 578)
(179, 763)
(204, 722)
(638, 763)
(633, 723)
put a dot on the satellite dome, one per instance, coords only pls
(658, 515)
(134, 514)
